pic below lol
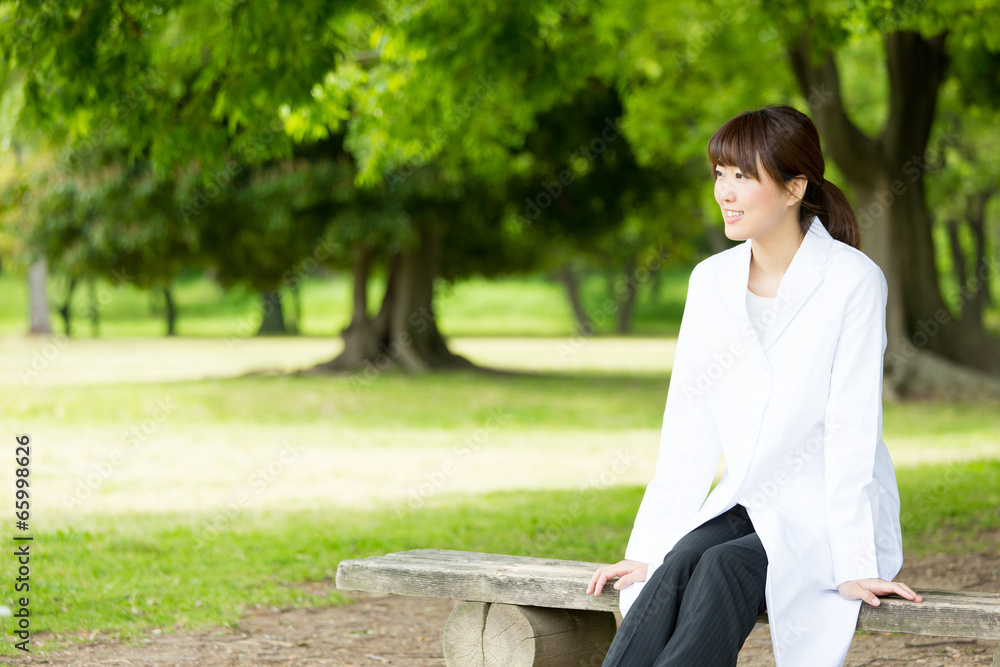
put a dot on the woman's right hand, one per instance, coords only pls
(628, 571)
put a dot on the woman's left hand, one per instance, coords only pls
(868, 589)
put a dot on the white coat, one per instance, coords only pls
(798, 417)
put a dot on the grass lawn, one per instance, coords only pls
(127, 574)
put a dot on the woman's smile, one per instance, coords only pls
(732, 216)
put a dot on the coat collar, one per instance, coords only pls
(800, 280)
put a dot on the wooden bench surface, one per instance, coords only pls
(562, 584)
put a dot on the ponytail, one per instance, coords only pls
(830, 204)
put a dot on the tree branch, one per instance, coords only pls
(845, 143)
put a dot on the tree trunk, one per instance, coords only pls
(967, 309)
(656, 288)
(412, 314)
(171, 311)
(886, 175)
(627, 300)
(295, 323)
(93, 309)
(404, 333)
(571, 282)
(953, 227)
(38, 300)
(362, 339)
(975, 288)
(273, 322)
(64, 311)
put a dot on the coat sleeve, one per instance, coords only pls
(689, 445)
(853, 429)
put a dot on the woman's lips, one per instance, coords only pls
(732, 218)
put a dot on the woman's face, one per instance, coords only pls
(751, 208)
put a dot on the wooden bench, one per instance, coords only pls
(517, 611)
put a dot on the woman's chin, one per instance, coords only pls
(734, 234)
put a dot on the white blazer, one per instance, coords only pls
(798, 416)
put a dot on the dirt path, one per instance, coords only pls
(379, 630)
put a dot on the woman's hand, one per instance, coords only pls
(628, 571)
(867, 589)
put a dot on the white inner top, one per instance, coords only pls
(756, 306)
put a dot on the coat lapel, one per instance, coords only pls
(799, 282)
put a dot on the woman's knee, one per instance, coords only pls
(683, 558)
(733, 568)
(730, 557)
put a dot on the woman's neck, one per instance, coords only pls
(770, 257)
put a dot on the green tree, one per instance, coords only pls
(878, 125)
(887, 167)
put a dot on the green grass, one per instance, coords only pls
(452, 401)
(128, 574)
(950, 508)
(457, 401)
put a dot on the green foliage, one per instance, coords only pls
(180, 80)
(465, 86)
(360, 122)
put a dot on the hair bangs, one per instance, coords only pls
(739, 143)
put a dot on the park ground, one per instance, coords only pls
(193, 496)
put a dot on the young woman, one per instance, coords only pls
(778, 368)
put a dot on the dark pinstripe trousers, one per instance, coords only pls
(700, 605)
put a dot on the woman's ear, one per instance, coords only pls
(797, 189)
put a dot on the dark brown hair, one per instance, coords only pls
(787, 144)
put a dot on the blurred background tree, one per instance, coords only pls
(427, 145)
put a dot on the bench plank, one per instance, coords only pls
(478, 577)
(562, 584)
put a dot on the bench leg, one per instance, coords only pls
(502, 635)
